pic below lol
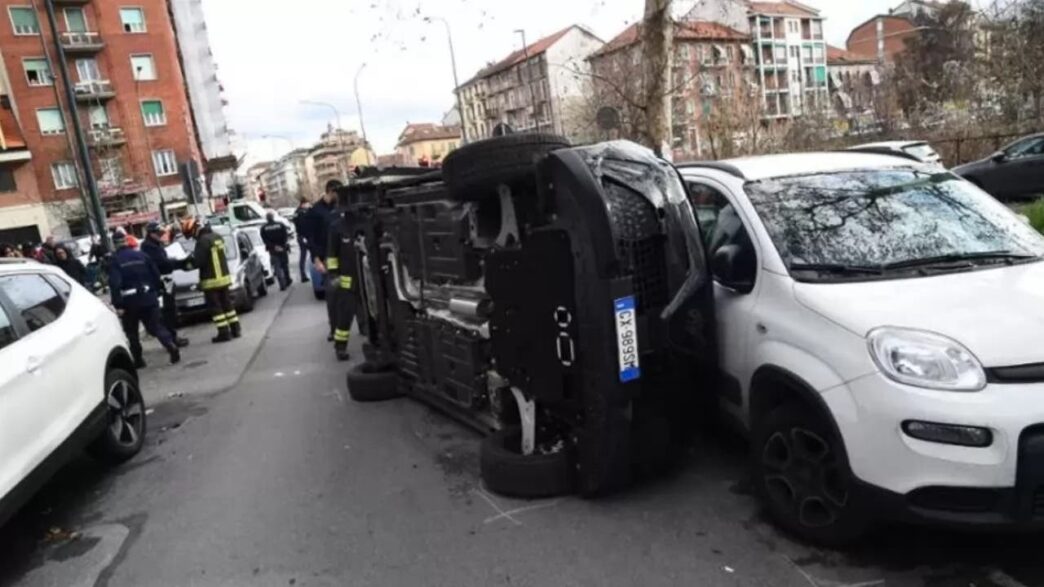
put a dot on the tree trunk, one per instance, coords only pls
(656, 50)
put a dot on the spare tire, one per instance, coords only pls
(507, 472)
(368, 383)
(473, 172)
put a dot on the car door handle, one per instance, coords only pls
(90, 328)
(33, 364)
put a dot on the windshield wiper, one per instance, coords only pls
(836, 268)
(1008, 256)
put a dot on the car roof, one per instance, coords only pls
(15, 264)
(772, 166)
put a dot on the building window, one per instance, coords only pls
(683, 51)
(153, 113)
(50, 120)
(144, 67)
(819, 54)
(75, 20)
(781, 53)
(37, 73)
(792, 26)
(23, 20)
(795, 52)
(88, 70)
(133, 20)
(64, 173)
(7, 181)
(806, 53)
(98, 116)
(165, 162)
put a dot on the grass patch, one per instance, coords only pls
(1035, 212)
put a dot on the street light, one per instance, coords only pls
(456, 80)
(358, 106)
(529, 82)
(340, 134)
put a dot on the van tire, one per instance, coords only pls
(802, 476)
(474, 172)
(506, 471)
(367, 383)
(117, 444)
(247, 299)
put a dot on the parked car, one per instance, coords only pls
(254, 234)
(919, 149)
(1015, 172)
(67, 380)
(248, 274)
(879, 337)
(250, 213)
(287, 213)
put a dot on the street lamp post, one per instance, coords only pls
(529, 80)
(456, 80)
(340, 136)
(358, 106)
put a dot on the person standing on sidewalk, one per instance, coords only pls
(300, 225)
(317, 226)
(134, 284)
(154, 249)
(277, 242)
(214, 278)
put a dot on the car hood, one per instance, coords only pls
(995, 312)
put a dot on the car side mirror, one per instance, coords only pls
(735, 268)
(999, 157)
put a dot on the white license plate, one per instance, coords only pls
(627, 338)
(196, 302)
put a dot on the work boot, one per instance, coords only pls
(181, 342)
(342, 353)
(175, 355)
(224, 335)
(237, 330)
(139, 363)
(329, 337)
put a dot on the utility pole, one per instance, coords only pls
(657, 38)
(456, 80)
(82, 150)
(529, 79)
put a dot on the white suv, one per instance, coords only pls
(67, 380)
(881, 337)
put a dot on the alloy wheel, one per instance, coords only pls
(126, 414)
(804, 477)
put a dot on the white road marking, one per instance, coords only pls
(510, 513)
(496, 507)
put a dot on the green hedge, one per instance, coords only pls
(1035, 212)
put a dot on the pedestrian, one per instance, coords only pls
(9, 251)
(134, 285)
(70, 265)
(341, 266)
(47, 251)
(317, 225)
(277, 242)
(302, 241)
(155, 249)
(214, 278)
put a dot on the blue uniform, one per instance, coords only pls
(135, 287)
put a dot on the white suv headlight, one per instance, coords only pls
(925, 359)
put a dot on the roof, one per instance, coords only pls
(874, 19)
(10, 132)
(533, 49)
(772, 166)
(427, 131)
(839, 56)
(785, 8)
(686, 30)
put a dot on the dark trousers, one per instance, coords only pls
(150, 318)
(332, 280)
(170, 314)
(302, 262)
(219, 301)
(344, 310)
(281, 268)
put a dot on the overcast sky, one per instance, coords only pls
(273, 55)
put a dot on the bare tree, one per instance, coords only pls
(657, 42)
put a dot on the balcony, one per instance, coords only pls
(72, 2)
(94, 91)
(82, 43)
(99, 138)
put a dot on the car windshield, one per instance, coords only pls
(922, 151)
(877, 219)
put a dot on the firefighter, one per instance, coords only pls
(317, 227)
(155, 249)
(214, 278)
(341, 270)
(135, 286)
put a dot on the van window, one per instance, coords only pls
(245, 213)
(7, 331)
(707, 203)
(35, 299)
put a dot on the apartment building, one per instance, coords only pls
(334, 156)
(426, 143)
(205, 95)
(288, 179)
(130, 97)
(712, 64)
(790, 55)
(23, 216)
(534, 88)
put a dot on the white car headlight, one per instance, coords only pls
(925, 359)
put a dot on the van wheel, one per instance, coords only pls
(506, 471)
(248, 298)
(125, 428)
(369, 383)
(802, 475)
(474, 171)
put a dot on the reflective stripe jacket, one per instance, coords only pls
(134, 281)
(340, 253)
(210, 258)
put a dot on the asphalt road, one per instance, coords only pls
(260, 471)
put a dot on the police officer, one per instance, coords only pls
(135, 285)
(214, 278)
(277, 242)
(341, 270)
(154, 248)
